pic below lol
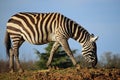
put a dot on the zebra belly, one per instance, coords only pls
(40, 40)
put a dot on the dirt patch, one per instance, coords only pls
(64, 74)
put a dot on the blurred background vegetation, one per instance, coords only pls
(61, 60)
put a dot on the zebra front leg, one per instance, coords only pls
(54, 48)
(67, 49)
(17, 61)
(11, 61)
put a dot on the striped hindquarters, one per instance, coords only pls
(33, 27)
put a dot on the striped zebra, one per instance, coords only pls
(41, 28)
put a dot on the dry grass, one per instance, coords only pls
(64, 74)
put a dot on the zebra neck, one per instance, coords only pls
(80, 34)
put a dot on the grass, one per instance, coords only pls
(64, 74)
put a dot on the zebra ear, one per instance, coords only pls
(93, 38)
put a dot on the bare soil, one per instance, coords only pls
(64, 74)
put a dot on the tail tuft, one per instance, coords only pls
(7, 42)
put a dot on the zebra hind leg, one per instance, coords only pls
(16, 54)
(17, 42)
(11, 61)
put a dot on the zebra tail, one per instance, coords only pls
(7, 42)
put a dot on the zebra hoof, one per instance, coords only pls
(78, 67)
(53, 68)
(11, 71)
(21, 71)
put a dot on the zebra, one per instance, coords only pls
(42, 28)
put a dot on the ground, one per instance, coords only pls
(64, 74)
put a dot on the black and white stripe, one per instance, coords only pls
(41, 28)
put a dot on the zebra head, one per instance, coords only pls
(89, 51)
